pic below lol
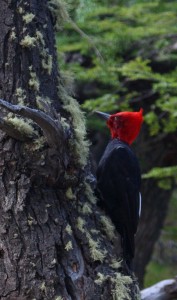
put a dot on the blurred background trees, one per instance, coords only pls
(123, 56)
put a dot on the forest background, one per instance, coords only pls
(122, 55)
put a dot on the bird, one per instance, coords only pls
(119, 178)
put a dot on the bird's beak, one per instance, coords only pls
(102, 115)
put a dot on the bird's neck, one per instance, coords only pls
(120, 140)
(125, 134)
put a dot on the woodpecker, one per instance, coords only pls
(119, 178)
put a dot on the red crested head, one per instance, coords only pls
(125, 125)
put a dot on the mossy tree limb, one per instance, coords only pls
(51, 128)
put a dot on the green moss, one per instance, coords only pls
(116, 264)
(80, 131)
(38, 143)
(13, 34)
(60, 12)
(28, 18)
(101, 278)
(69, 246)
(43, 103)
(28, 41)
(108, 227)
(33, 82)
(20, 10)
(78, 121)
(86, 209)
(43, 287)
(121, 290)
(68, 81)
(47, 59)
(68, 229)
(64, 123)
(47, 62)
(31, 221)
(69, 194)
(95, 250)
(40, 37)
(89, 193)
(80, 224)
(23, 126)
(21, 95)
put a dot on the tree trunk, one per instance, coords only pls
(154, 151)
(54, 241)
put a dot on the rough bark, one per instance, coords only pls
(152, 152)
(54, 241)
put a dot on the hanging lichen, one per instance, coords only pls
(60, 12)
(81, 144)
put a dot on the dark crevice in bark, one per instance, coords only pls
(40, 254)
(22, 243)
(71, 289)
(1, 253)
(5, 51)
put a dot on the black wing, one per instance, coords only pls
(118, 183)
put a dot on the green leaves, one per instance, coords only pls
(152, 120)
(137, 41)
(105, 103)
(162, 172)
(137, 69)
(163, 175)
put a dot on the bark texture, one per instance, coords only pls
(54, 241)
(155, 200)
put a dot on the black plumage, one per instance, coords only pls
(118, 187)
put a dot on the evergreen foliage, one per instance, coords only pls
(137, 43)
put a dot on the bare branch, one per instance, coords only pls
(163, 290)
(52, 129)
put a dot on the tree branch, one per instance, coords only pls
(51, 128)
(163, 290)
(14, 132)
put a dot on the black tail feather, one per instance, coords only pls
(128, 246)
